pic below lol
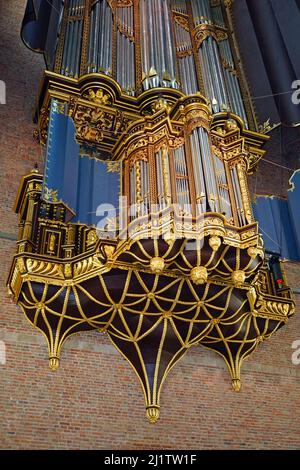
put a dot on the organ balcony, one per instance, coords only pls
(182, 263)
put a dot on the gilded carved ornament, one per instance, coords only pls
(92, 124)
(50, 195)
(91, 237)
(41, 133)
(138, 156)
(267, 127)
(203, 31)
(125, 29)
(160, 104)
(252, 160)
(98, 96)
(182, 20)
(124, 3)
(44, 268)
(228, 3)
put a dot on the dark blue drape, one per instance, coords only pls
(279, 221)
(79, 181)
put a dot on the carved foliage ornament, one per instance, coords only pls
(252, 160)
(92, 124)
(124, 3)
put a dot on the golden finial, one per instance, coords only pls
(53, 363)
(35, 169)
(236, 385)
(152, 413)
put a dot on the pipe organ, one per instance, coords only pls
(140, 226)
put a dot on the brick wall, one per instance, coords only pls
(94, 400)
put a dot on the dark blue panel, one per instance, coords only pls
(263, 214)
(62, 159)
(80, 182)
(294, 206)
(276, 226)
(276, 57)
(284, 228)
(84, 190)
(96, 185)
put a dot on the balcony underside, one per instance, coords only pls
(153, 306)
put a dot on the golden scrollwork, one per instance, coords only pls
(267, 127)
(204, 30)
(228, 3)
(41, 133)
(245, 193)
(50, 195)
(160, 104)
(90, 123)
(137, 156)
(84, 266)
(124, 3)
(113, 167)
(44, 268)
(91, 237)
(275, 308)
(94, 122)
(252, 160)
(182, 20)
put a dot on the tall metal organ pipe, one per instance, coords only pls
(125, 49)
(73, 39)
(181, 177)
(158, 54)
(100, 43)
(170, 47)
(205, 180)
(187, 67)
(171, 40)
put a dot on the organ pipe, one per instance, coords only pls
(167, 24)
(201, 11)
(125, 49)
(187, 68)
(238, 197)
(181, 176)
(158, 54)
(179, 6)
(170, 47)
(213, 75)
(225, 203)
(163, 177)
(100, 42)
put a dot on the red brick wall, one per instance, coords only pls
(94, 400)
